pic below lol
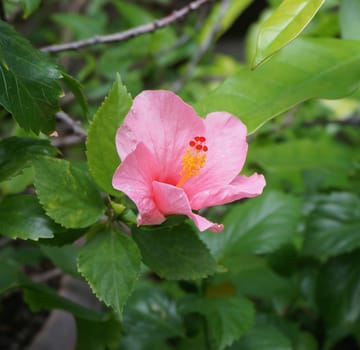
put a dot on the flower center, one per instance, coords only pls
(193, 160)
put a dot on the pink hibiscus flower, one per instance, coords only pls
(174, 162)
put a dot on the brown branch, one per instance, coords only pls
(130, 33)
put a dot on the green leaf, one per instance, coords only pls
(174, 252)
(29, 6)
(337, 290)
(324, 158)
(288, 78)
(110, 262)
(9, 272)
(101, 149)
(260, 225)
(67, 193)
(29, 87)
(151, 315)
(349, 15)
(63, 257)
(263, 337)
(76, 88)
(98, 335)
(16, 153)
(228, 318)
(23, 217)
(333, 225)
(283, 26)
(233, 11)
(254, 278)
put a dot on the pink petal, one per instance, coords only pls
(173, 200)
(165, 124)
(227, 148)
(134, 177)
(240, 187)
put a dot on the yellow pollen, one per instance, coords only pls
(193, 160)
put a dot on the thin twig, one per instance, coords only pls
(75, 127)
(130, 33)
(204, 47)
(47, 275)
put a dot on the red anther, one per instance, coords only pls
(202, 139)
(192, 143)
(199, 147)
(197, 138)
(205, 149)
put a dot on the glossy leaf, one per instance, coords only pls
(151, 315)
(228, 318)
(283, 26)
(258, 226)
(337, 290)
(67, 192)
(263, 337)
(349, 15)
(23, 217)
(333, 225)
(110, 262)
(16, 153)
(101, 149)
(175, 252)
(289, 77)
(29, 87)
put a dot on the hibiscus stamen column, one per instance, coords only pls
(193, 160)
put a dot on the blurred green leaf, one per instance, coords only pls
(175, 252)
(333, 225)
(67, 192)
(349, 15)
(260, 225)
(9, 272)
(228, 318)
(251, 276)
(98, 335)
(325, 163)
(29, 6)
(337, 290)
(82, 26)
(233, 11)
(289, 77)
(150, 315)
(263, 337)
(101, 149)
(110, 262)
(63, 257)
(29, 87)
(22, 217)
(283, 26)
(17, 153)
